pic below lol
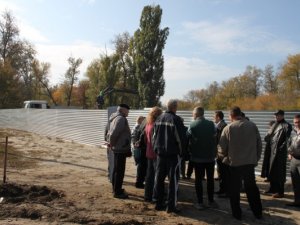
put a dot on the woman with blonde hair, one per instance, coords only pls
(150, 154)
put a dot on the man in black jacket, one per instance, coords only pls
(223, 169)
(278, 137)
(168, 139)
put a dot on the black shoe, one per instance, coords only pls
(121, 196)
(148, 199)
(160, 207)
(220, 192)
(173, 210)
(120, 192)
(237, 216)
(223, 195)
(293, 204)
(258, 216)
(139, 185)
(268, 192)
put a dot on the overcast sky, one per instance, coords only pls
(209, 40)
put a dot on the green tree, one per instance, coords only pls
(16, 56)
(148, 44)
(9, 37)
(102, 73)
(125, 69)
(10, 94)
(24, 62)
(71, 76)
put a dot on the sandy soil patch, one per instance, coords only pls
(52, 181)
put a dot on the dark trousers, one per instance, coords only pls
(182, 168)
(223, 170)
(295, 175)
(141, 169)
(166, 166)
(190, 169)
(200, 169)
(277, 187)
(245, 173)
(150, 193)
(118, 172)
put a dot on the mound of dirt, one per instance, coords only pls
(44, 203)
(14, 193)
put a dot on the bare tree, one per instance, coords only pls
(71, 76)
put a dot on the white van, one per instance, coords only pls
(36, 104)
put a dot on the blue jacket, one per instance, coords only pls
(169, 135)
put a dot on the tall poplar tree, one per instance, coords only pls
(148, 44)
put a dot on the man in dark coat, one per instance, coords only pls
(266, 161)
(278, 138)
(223, 169)
(168, 140)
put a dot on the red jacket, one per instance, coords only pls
(150, 154)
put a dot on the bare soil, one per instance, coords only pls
(53, 181)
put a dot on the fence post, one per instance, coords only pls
(5, 160)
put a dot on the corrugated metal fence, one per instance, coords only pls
(87, 126)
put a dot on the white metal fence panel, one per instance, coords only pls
(88, 126)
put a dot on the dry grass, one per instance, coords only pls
(16, 159)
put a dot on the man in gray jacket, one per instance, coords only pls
(119, 137)
(294, 156)
(240, 147)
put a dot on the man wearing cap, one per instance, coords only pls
(278, 138)
(119, 140)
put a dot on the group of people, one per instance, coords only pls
(161, 143)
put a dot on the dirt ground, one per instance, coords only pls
(52, 181)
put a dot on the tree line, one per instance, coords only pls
(137, 65)
(254, 89)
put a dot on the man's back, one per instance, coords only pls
(168, 130)
(202, 138)
(241, 143)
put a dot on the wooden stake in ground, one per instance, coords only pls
(5, 160)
